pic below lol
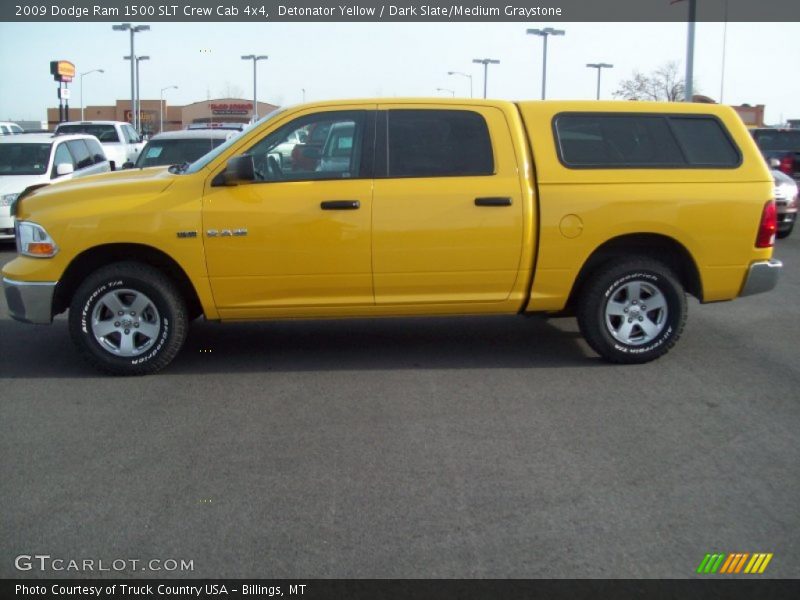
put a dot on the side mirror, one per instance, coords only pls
(127, 165)
(238, 170)
(312, 153)
(64, 169)
(774, 163)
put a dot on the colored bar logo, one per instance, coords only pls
(734, 563)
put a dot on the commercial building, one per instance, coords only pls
(221, 110)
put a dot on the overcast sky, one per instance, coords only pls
(344, 60)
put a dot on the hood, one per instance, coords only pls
(14, 184)
(116, 185)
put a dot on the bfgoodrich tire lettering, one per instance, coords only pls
(632, 311)
(128, 319)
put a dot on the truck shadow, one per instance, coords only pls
(339, 345)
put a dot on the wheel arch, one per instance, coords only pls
(651, 245)
(96, 257)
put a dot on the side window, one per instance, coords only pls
(438, 143)
(705, 142)
(81, 153)
(96, 150)
(62, 155)
(321, 146)
(130, 134)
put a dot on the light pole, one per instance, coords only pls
(544, 33)
(451, 92)
(87, 73)
(161, 106)
(485, 62)
(138, 107)
(463, 75)
(255, 60)
(599, 67)
(133, 29)
(304, 93)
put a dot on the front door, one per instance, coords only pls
(297, 237)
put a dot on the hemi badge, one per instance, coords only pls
(187, 234)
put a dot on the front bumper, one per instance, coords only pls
(30, 302)
(761, 277)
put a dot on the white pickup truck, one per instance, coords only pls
(119, 139)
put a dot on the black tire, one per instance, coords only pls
(785, 233)
(156, 334)
(611, 318)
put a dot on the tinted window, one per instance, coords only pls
(438, 143)
(96, 150)
(104, 133)
(130, 134)
(81, 153)
(281, 156)
(24, 159)
(704, 142)
(656, 141)
(175, 152)
(62, 156)
(778, 140)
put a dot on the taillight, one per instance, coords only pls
(786, 164)
(768, 226)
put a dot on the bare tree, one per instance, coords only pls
(232, 91)
(663, 84)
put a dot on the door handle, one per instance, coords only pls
(340, 205)
(493, 201)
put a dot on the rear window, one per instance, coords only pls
(597, 140)
(104, 133)
(438, 143)
(778, 140)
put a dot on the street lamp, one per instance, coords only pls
(544, 33)
(485, 62)
(138, 107)
(82, 74)
(599, 67)
(133, 29)
(161, 106)
(463, 75)
(255, 60)
(451, 92)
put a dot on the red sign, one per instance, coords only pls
(233, 108)
(62, 70)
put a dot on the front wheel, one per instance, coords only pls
(632, 311)
(128, 319)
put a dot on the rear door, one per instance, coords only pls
(447, 207)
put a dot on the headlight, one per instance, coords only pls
(33, 240)
(8, 199)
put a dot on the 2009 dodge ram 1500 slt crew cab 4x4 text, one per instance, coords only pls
(611, 211)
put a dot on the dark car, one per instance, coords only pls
(783, 145)
(178, 147)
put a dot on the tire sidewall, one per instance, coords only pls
(85, 302)
(675, 314)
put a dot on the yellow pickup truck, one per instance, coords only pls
(611, 211)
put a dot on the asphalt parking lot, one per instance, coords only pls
(442, 448)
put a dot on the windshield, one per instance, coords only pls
(104, 133)
(171, 152)
(201, 162)
(24, 159)
(778, 140)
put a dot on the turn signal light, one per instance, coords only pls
(41, 248)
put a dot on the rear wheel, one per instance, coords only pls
(128, 319)
(632, 311)
(785, 233)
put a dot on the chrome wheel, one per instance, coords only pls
(125, 322)
(636, 313)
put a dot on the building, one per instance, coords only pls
(221, 110)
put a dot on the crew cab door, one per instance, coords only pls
(448, 210)
(298, 236)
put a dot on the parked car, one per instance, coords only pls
(437, 211)
(786, 202)
(119, 139)
(782, 145)
(28, 159)
(178, 147)
(9, 128)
